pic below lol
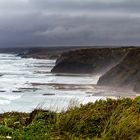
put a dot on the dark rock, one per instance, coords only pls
(2, 91)
(16, 91)
(48, 94)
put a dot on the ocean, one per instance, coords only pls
(27, 83)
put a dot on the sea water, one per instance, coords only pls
(27, 83)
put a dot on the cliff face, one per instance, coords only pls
(120, 65)
(89, 60)
(125, 74)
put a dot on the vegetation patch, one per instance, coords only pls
(103, 120)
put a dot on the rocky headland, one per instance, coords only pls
(119, 67)
(125, 74)
(91, 60)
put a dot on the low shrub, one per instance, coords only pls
(103, 120)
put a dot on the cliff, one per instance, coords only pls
(93, 60)
(125, 74)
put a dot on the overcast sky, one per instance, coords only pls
(69, 22)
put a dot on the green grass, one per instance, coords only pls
(102, 120)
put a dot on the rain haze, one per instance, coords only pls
(69, 22)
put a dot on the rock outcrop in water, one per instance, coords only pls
(89, 60)
(125, 74)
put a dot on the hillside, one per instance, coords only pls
(89, 60)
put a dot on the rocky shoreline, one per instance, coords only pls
(119, 66)
(107, 118)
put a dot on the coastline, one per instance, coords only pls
(102, 112)
(59, 85)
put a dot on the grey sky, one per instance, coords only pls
(69, 22)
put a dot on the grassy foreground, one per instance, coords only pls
(102, 120)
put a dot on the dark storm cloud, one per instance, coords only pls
(69, 22)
